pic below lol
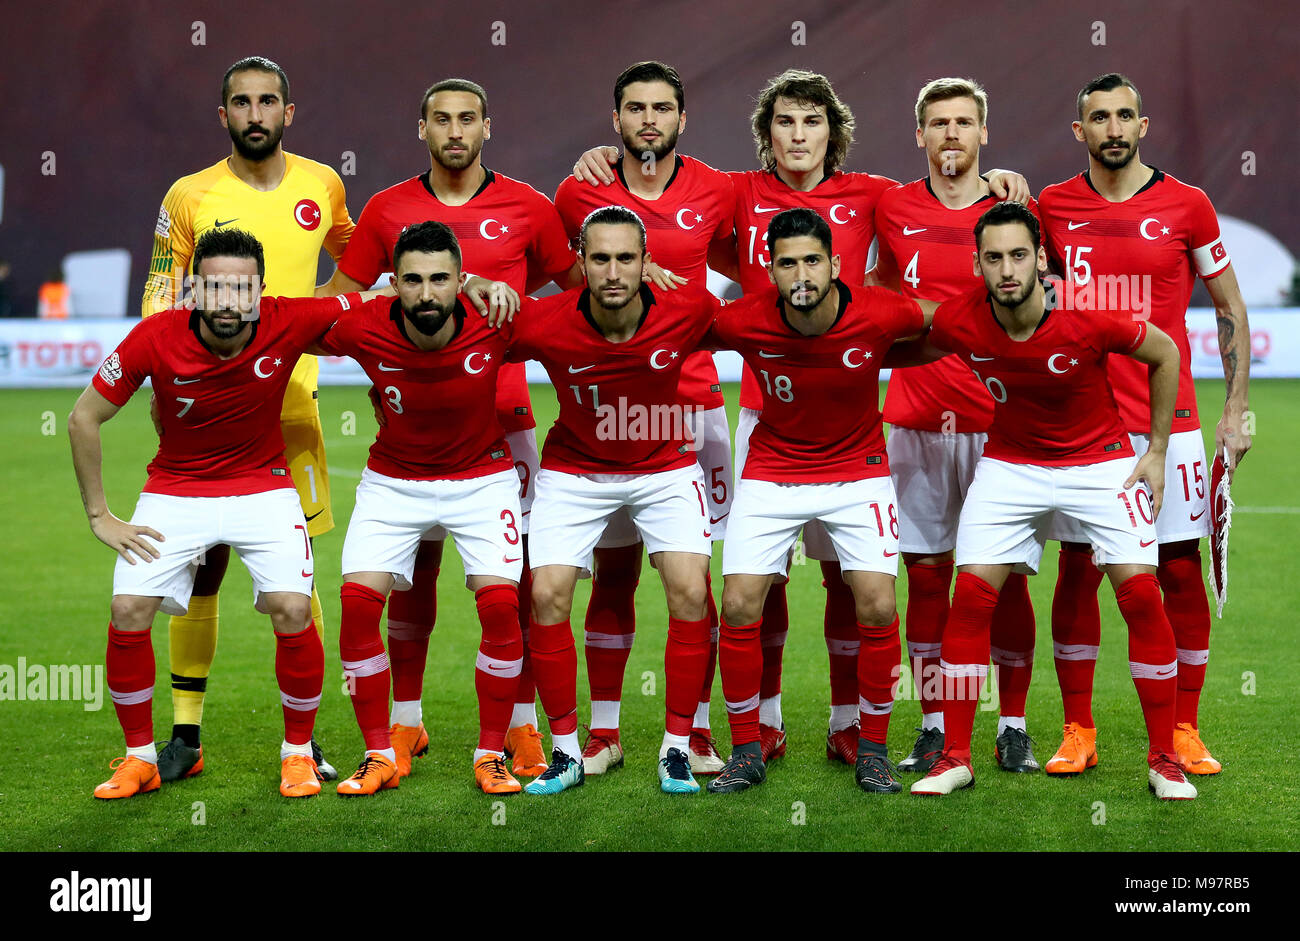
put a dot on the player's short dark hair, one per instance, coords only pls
(611, 215)
(649, 72)
(254, 64)
(430, 237)
(794, 223)
(1108, 82)
(808, 89)
(228, 243)
(1008, 213)
(453, 84)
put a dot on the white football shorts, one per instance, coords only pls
(932, 472)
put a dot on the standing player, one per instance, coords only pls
(220, 477)
(686, 206)
(295, 207)
(508, 232)
(440, 459)
(615, 352)
(816, 453)
(939, 414)
(1122, 225)
(1056, 444)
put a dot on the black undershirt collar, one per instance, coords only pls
(846, 298)
(584, 306)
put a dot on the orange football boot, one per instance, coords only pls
(299, 777)
(1078, 751)
(524, 745)
(376, 773)
(409, 742)
(131, 776)
(492, 777)
(1192, 753)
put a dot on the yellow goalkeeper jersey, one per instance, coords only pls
(294, 221)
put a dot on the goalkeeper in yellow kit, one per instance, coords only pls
(295, 207)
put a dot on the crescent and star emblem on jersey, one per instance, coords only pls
(257, 366)
(1057, 367)
(502, 229)
(691, 214)
(836, 219)
(654, 359)
(847, 358)
(469, 362)
(307, 214)
(1149, 221)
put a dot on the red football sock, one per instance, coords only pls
(1188, 611)
(1012, 638)
(525, 688)
(740, 657)
(365, 664)
(840, 627)
(711, 666)
(775, 625)
(927, 613)
(300, 671)
(964, 659)
(500, 658)
(555, 666)
(685, 657)
(129, 672)
(411, 616)
(877, 675)
(610, 624)
(1076, 632)
(1153, 661)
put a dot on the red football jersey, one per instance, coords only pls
(620, 412)
(847, 201)
(1152, 246)
(693, 210)
(438, 404)
(1053, 402)
(507, 231)
(221, 417)
(929, 249)
(820, 418)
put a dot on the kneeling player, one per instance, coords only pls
(1056, 445)
(440, 459)
(219, 478)
(817, 453)
(615, 350)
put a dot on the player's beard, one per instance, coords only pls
(1015, 300)
(220, 330)
(1118, 161)
(613, 306)
(458, 161)
(259, 150)
(808, 302)
(429, 317)
(661, 145)
(955, 163)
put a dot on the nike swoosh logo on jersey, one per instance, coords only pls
(508, 560)
(1075, 225)
(218, 223)
(184, 382)
(306, 574)
(1146, 542)
(889, 555)
(981, 359)
(1198, 516)
(713, 521)
(383, 368)
(316, 514)
(758, 208)
(766, 355)
(907, 231)
(578, 369)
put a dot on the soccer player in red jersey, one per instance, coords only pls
(816, 453)
(1123, 226)
(686, 207)
(615, 352)
(507, 232)
(440, 459)
(220, 477)
(939, 414)
(1056, 445)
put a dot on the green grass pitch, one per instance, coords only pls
(57, 584)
